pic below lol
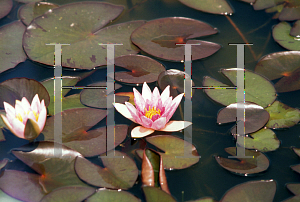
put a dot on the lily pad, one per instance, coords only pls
(290, 12)
(293, 199)
(263, 140)
(73, 193)
(154, 194)
(281, 34)
(294, 188)
(296, 168)
(118, 173)
(2, 137)
(159, 37)
(3, 163)
(255, 116)
(244, 166)
(142, 69)
(206, 199)
(22, 185)
(175, 79)
(173, 147)
(7, 198)
(257, 89)
(289, 83)
(112, 195)
(262, 190)
(5, 7)
(295, 31)
(11, 50)
(263, 4)
(23, 87)
(128, 94)
(297, 151)
(216, 7)
(32, 10)
(282, 116)
(55, 171)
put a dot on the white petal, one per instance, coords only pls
(175, 126)
(165, 94)
(6, 122)
(42, 118)
(146, 92)
(25, 104)
(122, 109)
(140, 131)
(35, 104)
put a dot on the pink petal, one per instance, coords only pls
(146, 92)
(25, 104)
(10, 112)
(138, 100)
(35, 104)
(18, 128)
(133, 112)
(155, 117)
(122, 109)
(42, 105)
(166, 106)
(159, 123)
(140, 131)
(147, 123)
(42, 118)
(175, 103)
(165, 94)
(19, 108)
(30, 116)
(155, 97)
(175, 126)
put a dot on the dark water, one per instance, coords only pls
(206, 178)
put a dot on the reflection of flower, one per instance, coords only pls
(153, 111)
(17, 117)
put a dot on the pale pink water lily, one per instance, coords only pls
(16, 117)
(153, 111)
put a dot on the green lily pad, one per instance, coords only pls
(112, 195)
(142, 69)
(3, 163)
(281, 34)
(244, 166)
(23, 87)
(293, 199)
(282, 116)
(296, 168)
(263, 4)
(127, 94)
(290, 12)
(32, 10)
(118, 173)
(172, 147)
(7, 198)
(216, 7)
(154, 194)
(175, 79)
(21, 185)
(273, 9)
(294, 188)
(295, 31)
(159, 37)
(5, 7)
(55, 171)
(11, 50)
(262, 190)
(73, 193)
(257, 89)
(297, 151)
(206, 199)
(2, 137)
(255, 116)
(263, 140)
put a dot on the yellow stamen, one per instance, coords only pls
(151, 112)
(19, 116)
(36, 115)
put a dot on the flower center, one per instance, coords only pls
(151, 112)
(36, 115)
(19, 116)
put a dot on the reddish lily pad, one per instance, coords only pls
(255, 116)
(244, 166)
(55, 171)
(293, 199)
(262, 190)
(7, 198)
(22, 185)
(5, 7)
(289, 83)
(109, 195)
(216, 7)
(11, 50)
(294, 188)
(154, 194)
(175, 79)
(3, 163)
(159, 37)
(142, 69)
(297, 151)
(296, 168)
(2, 137)
(32, 10)
(281, 34)
(118, 173)
(291, 11)
(295, 31)
(282, 116)
(263, 4)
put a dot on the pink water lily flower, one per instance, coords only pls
(153, 111)
(16, 117)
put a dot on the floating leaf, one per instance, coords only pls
(174, 78)
(118, 173)
(11, 50)
(244, 166)
(295, 31)
(173, 147)
(290, 12)
(273, 9)
(2, 137)
(73, 193)
(263, 4)
(296, 168)
(32, 10)
(297, 151)
(5, 7)
(289, 83)
(7, 198)
(3, 163)
(263, 140)
(142, 69)
(217, 7)
(293, 199)
(206, 199)
(21, 185)
(294, 188)
(282, 116)
(262, 190)
(56, 171)
(281, 34)
(112, 195)
(257, 88)
(128, 94)
(255, 116)
(154, 194)
(159, 37)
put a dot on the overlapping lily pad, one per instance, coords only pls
(5, 7)
(263, 4)
(216, 7)
(112, 195)
(205, 199)
(293, 199)
(11, 51)
(159, 38)
(295, 31)
(141, 69)
(281, 34)
(262, 190)
(282, 116)
(297, 151)
(154, 194)
(244, 166)
(3, 163)
(294, 188)
(291, 11)
(7, 198)
(118, 173)
(296, 168)
(127, 94)
(257, 88)
(255, 116)
(82, 31)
